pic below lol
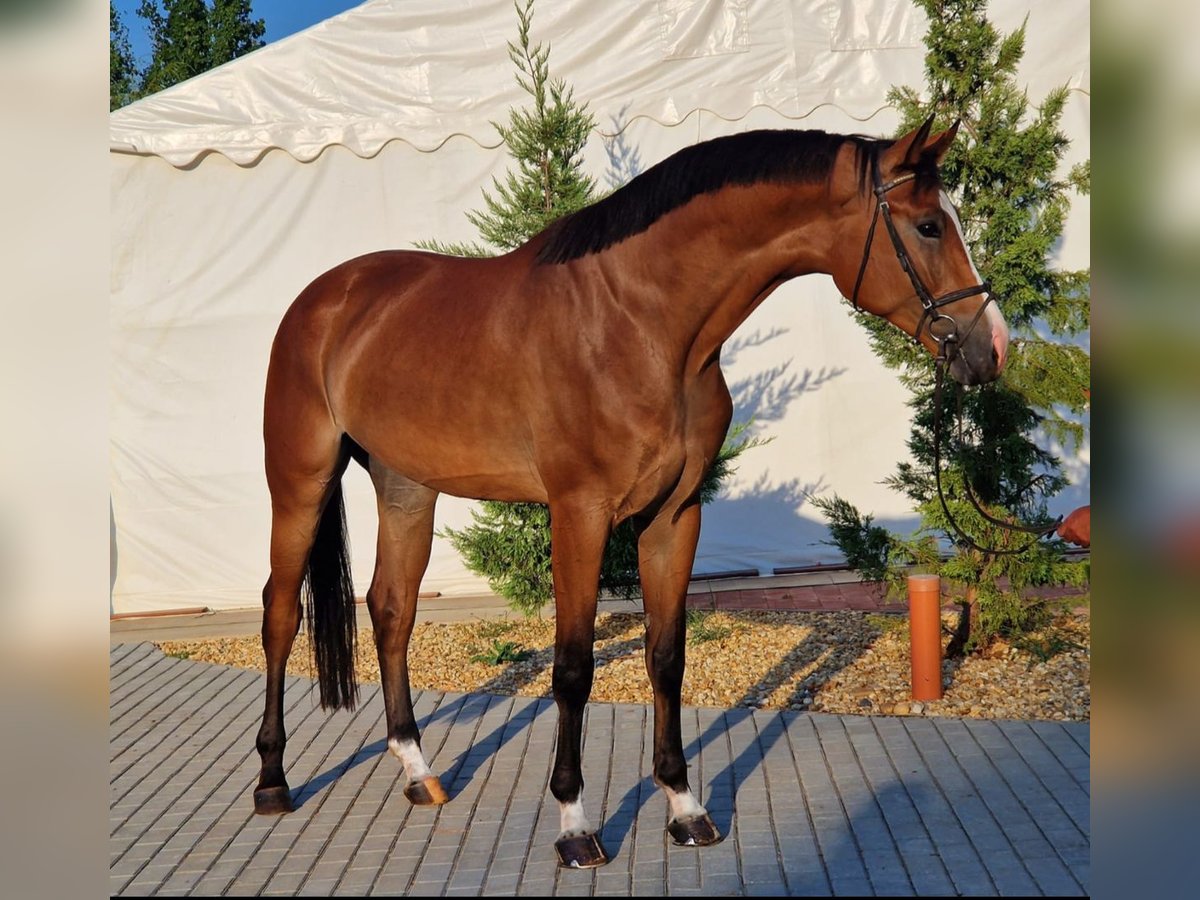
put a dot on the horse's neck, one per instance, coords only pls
(715, 259)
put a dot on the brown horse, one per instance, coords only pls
(582, 371)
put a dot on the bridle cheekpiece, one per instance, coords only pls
(931, 306)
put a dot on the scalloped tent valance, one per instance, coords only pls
(422, 71)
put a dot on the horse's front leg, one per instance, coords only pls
(666, 550)
(578, 534)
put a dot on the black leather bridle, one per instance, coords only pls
(931, 306)
(948, 344)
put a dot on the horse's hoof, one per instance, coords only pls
(583, 851)
(698, 831)
(273, 800)
(427, 791)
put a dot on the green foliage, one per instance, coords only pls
(501, 652)
(736, 442)
(509, 543)
(1003, 174)
(1046, 645)
(232, 31)
(700, 628)
(455, 248)
(489, 629)
(867, 547)
(122, 70)
(187, 37)
(179, 40)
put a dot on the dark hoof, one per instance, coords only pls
(580, 852)
(272, 801)
(698, 831)
(427, 791)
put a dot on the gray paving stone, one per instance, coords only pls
(648, 888)
(722, 883)
(850, 886)
(808, 883)
(811, 804)
(283, 885)
(537, 887)
(502, 884)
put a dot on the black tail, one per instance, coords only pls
(329, 607)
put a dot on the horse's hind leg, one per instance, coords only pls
(666, 550)
(301, 486)
(578, 534)
(405, 536)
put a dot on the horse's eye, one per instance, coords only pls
(930, 229)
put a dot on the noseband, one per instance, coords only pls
(931, 306)
(948, 345)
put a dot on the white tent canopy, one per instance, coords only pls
(232, 191)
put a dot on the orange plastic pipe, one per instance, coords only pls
(925, 630)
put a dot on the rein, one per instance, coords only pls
(1037, 531)
(947, 346)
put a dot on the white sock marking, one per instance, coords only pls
(409, 753)
(684, 805)
(572, 819)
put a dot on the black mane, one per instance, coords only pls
(739, 159)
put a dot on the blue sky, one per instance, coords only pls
(283, 17)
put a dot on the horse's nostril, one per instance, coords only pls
(999, 349)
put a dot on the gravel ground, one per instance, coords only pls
(838, 662)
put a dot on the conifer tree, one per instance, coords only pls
(1003, 174)
(509, 543)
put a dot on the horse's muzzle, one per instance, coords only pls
(977, 360)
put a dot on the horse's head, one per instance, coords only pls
(906, 259)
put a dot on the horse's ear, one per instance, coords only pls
(905, 152)
(939, 144)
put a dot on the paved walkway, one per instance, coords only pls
(810, 803)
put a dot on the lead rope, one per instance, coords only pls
(1038, 531)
